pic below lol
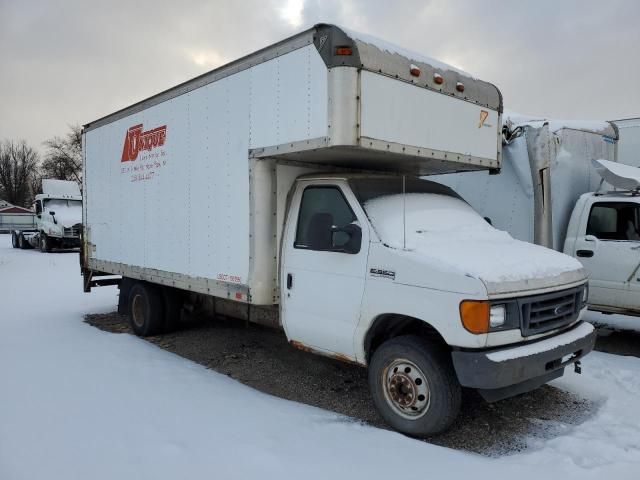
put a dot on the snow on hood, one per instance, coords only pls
(446, 232)
(68, 212)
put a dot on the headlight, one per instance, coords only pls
(585, 294)
(497, 316)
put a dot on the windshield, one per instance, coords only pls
(59, 204)
(429, 208)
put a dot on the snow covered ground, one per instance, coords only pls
(80, 403)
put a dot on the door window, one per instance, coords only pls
(614, 221)
(322, 211)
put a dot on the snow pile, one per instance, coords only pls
(616, 322)
(447, 232)
(80, 403)
(513, 119)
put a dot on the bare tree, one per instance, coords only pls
(18, 167)
(63, 159)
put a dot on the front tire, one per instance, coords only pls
(45, 243)
(14, 240)
(414, 386)
(146, 309)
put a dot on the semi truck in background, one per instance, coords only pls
(58, 218)
(562, 187)
(291, 181)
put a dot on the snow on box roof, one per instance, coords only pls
(514, 119)
(55, 187)
(380, 56)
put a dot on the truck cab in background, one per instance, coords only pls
(604, 235)
(58, 221)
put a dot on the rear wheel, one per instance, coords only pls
(14, 240)
(146, 309)
(174, 300)
(22, 242)
(414, 386)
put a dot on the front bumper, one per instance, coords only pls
(505, 372)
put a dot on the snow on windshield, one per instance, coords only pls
(68, 212)
(447, 232)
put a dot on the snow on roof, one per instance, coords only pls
(618, 174)
(383, 45)
(52, 186)
(518, 119)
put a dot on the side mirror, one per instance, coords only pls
(39, 215)
(52, 213)
(347, 239)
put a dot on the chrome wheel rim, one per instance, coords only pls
(138, 309)
(406, 389)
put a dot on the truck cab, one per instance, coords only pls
(604, 235)
(58, 217)
(369, 263)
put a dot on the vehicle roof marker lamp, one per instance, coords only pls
(479, 316)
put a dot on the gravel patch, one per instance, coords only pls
(263, 359)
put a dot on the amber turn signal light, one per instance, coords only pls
(343, 51)
(475, 315)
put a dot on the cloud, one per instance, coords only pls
(75, 61)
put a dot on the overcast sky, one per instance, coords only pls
(70, 62)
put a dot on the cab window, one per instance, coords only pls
(614, 221)
(322, 210)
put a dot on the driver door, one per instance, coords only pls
(324, 263)
(610, 251)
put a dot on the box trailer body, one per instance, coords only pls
(549, 192)
(273, 188)
(629, 142)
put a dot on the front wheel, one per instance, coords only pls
(414, 386)
(14, 240)
(45, 243)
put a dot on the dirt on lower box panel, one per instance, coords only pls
(262, 359)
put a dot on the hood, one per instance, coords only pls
(68, 212)
(445, 232)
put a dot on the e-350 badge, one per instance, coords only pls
(378, 272)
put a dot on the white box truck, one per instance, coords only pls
(552, 193)
(283, 188)
(58, 218)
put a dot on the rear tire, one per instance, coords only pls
(22, 242)
(14, 240)
(146, 309)
(173, 301)
(414, 386)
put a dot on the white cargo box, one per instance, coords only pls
(171, 186)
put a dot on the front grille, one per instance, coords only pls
(542, 313)
(71, 232)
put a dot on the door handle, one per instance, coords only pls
(584, 253)
(289, 281)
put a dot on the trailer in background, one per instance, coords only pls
(629, 143)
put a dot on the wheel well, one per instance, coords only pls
(389, 326)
